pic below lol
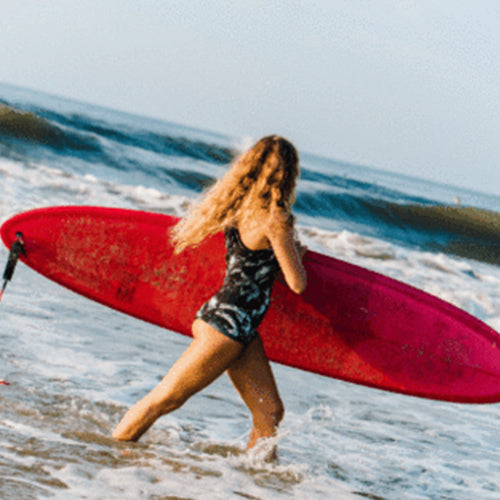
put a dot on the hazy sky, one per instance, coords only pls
(410, 86)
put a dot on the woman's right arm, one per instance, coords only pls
(289, 252)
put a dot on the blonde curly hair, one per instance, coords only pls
(260, 181)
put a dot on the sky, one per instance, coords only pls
(409, 86)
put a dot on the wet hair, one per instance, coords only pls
(260, 181)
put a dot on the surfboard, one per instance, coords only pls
(351, 323)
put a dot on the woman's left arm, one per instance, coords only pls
(289, 253)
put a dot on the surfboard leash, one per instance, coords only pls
(16, 250)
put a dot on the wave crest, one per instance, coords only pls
(28, 126)
(460, 230)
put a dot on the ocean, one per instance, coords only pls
(75, 367)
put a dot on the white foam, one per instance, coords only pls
(37, 185)
(204, 477)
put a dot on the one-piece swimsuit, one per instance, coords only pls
(239, 306)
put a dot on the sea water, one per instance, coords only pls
(75, 367)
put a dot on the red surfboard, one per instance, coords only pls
(351, 323)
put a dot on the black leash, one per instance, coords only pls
(16, 250)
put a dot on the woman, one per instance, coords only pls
(252, 203)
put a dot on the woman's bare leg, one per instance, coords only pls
(253, 378)
(208, 356)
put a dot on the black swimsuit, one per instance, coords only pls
(237, 309)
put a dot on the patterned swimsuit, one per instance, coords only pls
(237, 309)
